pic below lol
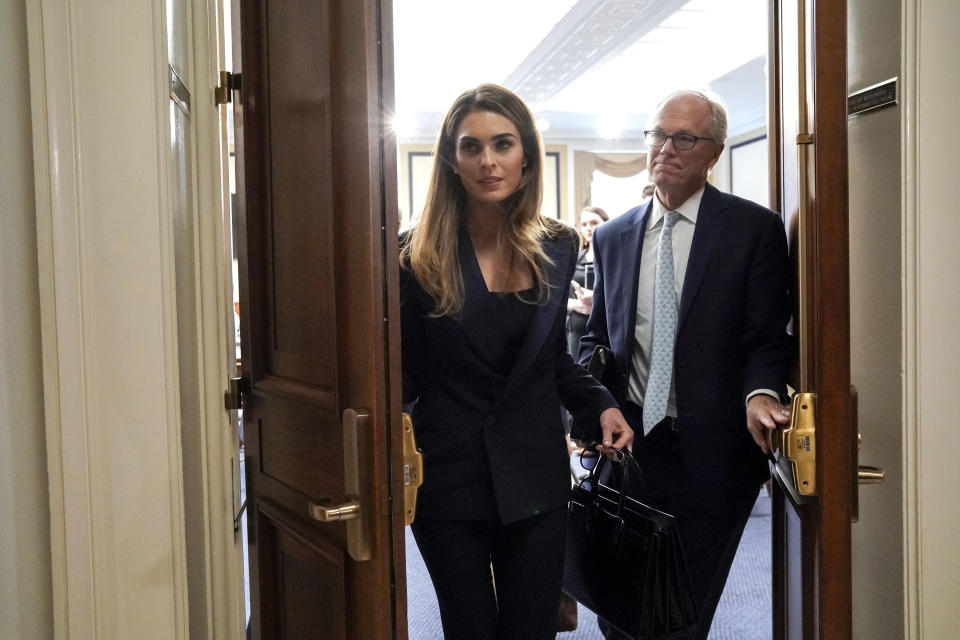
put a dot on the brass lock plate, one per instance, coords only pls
(799, 443)
(412, 470)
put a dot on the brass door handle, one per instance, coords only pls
(870, 475)
(865, 473)
(860, 473)
(349, 510)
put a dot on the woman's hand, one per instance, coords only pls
(585, 298)
(616, 432)
(583, 303)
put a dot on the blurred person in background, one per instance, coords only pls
(580, 302)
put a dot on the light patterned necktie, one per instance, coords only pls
(664, 329)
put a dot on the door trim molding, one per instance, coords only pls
(223, 586)
(909, 259)
(105, 258)
(931, 346)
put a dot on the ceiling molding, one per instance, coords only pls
(744, 93)
(591, 32)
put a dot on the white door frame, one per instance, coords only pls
(930, 344)
(99, 94)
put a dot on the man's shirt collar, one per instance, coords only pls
(688, 209)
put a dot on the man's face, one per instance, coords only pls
(679, 174)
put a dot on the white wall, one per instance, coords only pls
(25, 591)
(875, 317)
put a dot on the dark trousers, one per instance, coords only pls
(519, 599)
(709, 533)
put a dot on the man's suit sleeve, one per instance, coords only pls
(767, 346)
(596, 332)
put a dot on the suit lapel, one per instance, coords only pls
(560, 251)
(711, 220)
(626, 262)
(472, 320)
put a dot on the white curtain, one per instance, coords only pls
(618, 165)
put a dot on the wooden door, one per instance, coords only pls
(814, 487)
(319, 320)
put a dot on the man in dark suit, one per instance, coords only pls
(692, 295)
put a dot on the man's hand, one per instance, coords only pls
(764, 413)
(616, 432)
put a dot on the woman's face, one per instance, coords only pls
(488, 156)
(588, 222)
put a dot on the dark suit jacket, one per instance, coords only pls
(475, 425)
(731, 332)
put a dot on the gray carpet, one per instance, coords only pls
(744, 612)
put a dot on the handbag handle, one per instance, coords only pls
(628, 464)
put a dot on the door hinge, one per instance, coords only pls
(238, 519)
(229, 82)
(233, 396)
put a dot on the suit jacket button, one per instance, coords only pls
(491, 420)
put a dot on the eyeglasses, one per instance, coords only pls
(681, 141)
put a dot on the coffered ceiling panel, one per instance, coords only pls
(592, 69)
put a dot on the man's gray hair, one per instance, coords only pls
(717, 124)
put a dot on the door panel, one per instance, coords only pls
(319, 306)
(811, 533)
(301, 581)
(301, 328)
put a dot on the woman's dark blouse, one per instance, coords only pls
(484, 390)
(509, 317)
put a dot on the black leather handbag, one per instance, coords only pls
(624, 560)
(602, 366)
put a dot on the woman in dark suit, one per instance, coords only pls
(484, 280)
